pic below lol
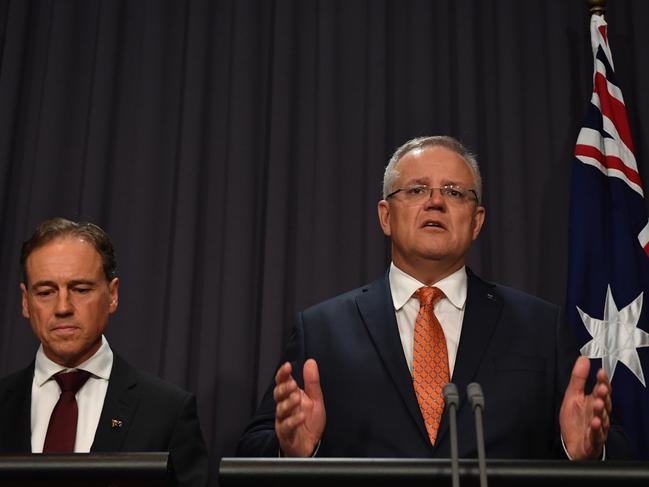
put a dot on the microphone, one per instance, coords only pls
(476, 399)
(452, 400)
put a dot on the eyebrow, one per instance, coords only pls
(74, 282)
(424, 181)
(456, 183)
(419, 181)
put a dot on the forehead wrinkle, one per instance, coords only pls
(63, 256)
(451, 182)
(420, 180)
(425, 181)
(405, 161)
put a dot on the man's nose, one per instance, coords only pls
(435, 199)
(64, 304)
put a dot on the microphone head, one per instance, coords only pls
(451, 396)
(474, 393)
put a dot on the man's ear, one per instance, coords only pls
(383, 209)
(478, 221)
(113, 291)
(25, 302)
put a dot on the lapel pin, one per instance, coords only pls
(115, 423)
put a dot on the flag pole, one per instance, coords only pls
(597, 7)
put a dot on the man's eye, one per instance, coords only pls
(81, 290)
(453, 192)
(44, 293)
(416, 190)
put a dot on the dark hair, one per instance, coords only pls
(60, 228)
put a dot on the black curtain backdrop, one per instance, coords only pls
(234, 150)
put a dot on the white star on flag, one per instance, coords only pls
(616, 337)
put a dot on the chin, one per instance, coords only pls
(435, 254)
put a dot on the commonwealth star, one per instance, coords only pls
(616, 337)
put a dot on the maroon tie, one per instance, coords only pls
(62, 430)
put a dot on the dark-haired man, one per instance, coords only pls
(364, 371)
(78, 396)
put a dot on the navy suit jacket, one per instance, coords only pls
(515, 345)
(154, 415)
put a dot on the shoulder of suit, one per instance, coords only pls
(17, 378)
(349, 297)
(151, 384)
(508, 294)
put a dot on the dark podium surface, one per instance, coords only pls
(86, 469)
(340, 472)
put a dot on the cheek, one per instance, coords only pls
(38, 313)
(399, 231)
(38, 320)
(97, 312)
(402, 223)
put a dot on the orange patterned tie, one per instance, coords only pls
(429, 360)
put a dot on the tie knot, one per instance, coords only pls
(72, 381)
(428, 295)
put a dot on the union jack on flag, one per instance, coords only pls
(609, 248)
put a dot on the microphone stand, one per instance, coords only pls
(452, 400)
(476, 399)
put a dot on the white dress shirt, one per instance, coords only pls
(449, 310)
(90, 398)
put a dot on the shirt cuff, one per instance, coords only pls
(315, 452)
(565, 450)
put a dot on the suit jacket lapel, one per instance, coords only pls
(377, 311)
(120, 403)
(15, 411)
(483, 309)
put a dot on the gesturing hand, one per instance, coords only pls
(585, 419)
(299, 414)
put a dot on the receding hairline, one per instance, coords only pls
(419, 150)
(391, 173)
(62, 238)
(59, 227)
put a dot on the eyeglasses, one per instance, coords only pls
(450, 192)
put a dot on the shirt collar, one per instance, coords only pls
(403, 286)
(99, 365)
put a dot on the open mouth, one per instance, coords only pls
(432, 224)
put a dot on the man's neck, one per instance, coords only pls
(428, 272)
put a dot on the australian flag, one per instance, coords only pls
(609, 249)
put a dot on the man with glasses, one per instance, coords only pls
(363, 372)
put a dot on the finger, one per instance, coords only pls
(602, 376)
(606, 421)
(600, 421)
(284, 382)
(608, 404)
(599, 407)
(283, 373)
(288, 406)
(312, 381)
(603, 391)
(578, 377)
(603, 382)
(595, 425)
(285, 429)
(599, 431)
(285, 389)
